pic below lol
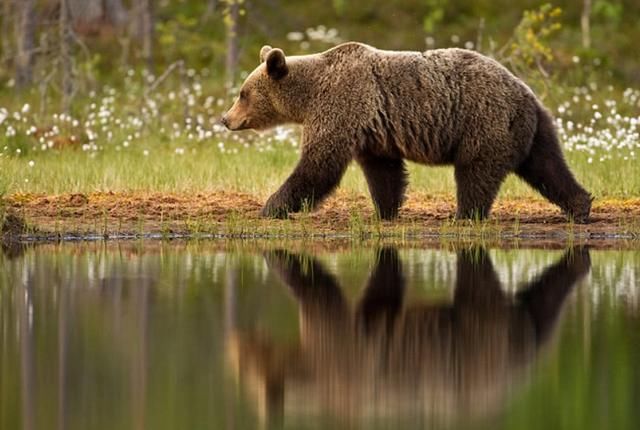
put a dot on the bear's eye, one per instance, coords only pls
(243, 94)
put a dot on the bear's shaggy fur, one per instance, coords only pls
(445, 106)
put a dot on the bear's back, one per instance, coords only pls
(430, 107)
(455, 67)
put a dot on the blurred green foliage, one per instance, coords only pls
(528, 50)
(435, 15)
(535, 37)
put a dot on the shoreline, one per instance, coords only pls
(344, 216)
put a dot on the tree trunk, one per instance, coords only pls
(585, 24)
(85, 15)
(211, 7)
(147, 33)
(93, 17)
(142, 28)
(231, 19)
(5, 30)
(114, 12)
(25, 36)
(65, 56)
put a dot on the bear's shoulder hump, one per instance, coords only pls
(348, 48)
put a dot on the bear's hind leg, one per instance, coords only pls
(477, 187)
(387, 181)
(546, 171)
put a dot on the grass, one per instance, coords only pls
(249, 171)
(2, 206)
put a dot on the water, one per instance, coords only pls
(195, 336)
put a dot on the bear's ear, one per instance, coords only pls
(276, 64)
(263, 52)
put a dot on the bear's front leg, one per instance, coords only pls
(278, 206)
(477, 186)
(387, 180)
(317, 174)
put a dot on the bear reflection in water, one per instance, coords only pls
(386, 358)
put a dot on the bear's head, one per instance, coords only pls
(260, 104)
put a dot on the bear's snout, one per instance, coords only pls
(233, 121)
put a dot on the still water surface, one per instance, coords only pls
(195, 336)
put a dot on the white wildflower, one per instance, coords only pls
(295, 36)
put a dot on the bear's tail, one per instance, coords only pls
(546, 170)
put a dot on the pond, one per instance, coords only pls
(163, 335)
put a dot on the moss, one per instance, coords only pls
(12, 225)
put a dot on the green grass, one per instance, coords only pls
(250, 171)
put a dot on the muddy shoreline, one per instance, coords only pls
(232, 215)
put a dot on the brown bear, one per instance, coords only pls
(444, 106)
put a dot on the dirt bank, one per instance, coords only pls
(237, 214)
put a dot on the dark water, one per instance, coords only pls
(187, 336)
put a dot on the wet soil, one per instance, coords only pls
(221, 213)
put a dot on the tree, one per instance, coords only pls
(142, 28)
(65, 55)
(25, 36)
(5, 30)
(232, 14)
(585, 24)
(85, 14)
(115, 12)
(93, 16)
(211, 7)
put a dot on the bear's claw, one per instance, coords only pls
(274, 212)
(580, 210)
